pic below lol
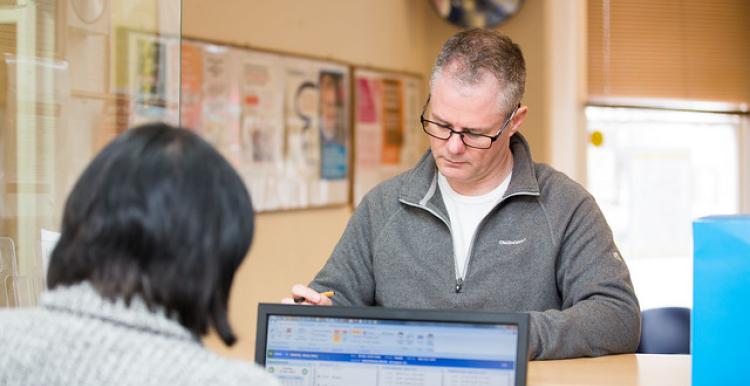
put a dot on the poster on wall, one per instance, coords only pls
(334, 124)
(144, 88)
(317, 132)
(282, 121)
(261, 127)
(334, 130)
(392, 129)
(388, 138)
(218, 123)
(191, 102)
(148, 78)
(301, 115)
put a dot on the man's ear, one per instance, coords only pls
(517, 120)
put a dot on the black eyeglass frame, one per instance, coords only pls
(461, 134)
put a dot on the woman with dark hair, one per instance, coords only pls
(152, 234)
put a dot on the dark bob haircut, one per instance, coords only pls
(161, 215)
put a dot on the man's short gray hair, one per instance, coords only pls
(469, 54)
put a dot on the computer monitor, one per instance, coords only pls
(375, 346)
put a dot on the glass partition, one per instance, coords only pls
(73, 74)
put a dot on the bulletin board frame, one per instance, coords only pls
(282, 120)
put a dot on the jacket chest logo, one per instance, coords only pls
(511, 242)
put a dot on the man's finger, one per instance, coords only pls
(301, 293)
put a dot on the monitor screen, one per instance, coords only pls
(325, 350)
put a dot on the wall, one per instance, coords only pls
(291, 247)
(565, 86)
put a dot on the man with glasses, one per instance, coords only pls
(476, 224)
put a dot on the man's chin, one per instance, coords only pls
(444, 164)
(452, 172)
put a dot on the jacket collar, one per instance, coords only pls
(421, 181)
(83, 300)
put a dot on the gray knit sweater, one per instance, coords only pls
(76, 337)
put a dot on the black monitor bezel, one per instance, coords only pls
(521, 320)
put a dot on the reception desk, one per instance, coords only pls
(612, 370)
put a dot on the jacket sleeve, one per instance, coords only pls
(600, 313)
(349, 270)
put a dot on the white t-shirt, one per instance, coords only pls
(466, 212)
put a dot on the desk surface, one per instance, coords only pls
(612, 370)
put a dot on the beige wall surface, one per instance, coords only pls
(403, 35)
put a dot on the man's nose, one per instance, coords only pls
(455, 143)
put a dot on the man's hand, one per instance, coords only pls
(305, 295)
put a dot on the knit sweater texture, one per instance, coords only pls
(77, 337)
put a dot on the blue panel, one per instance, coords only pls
(721, 301)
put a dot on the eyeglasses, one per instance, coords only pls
(473, 140)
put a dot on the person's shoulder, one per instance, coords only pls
(387, 194)
(553, 181)
(381, 201)
(558, 192)
(20, 319)
(24, 332)
(417, 177)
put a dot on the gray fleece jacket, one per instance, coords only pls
(545, 249)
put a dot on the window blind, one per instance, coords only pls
(672, 49)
